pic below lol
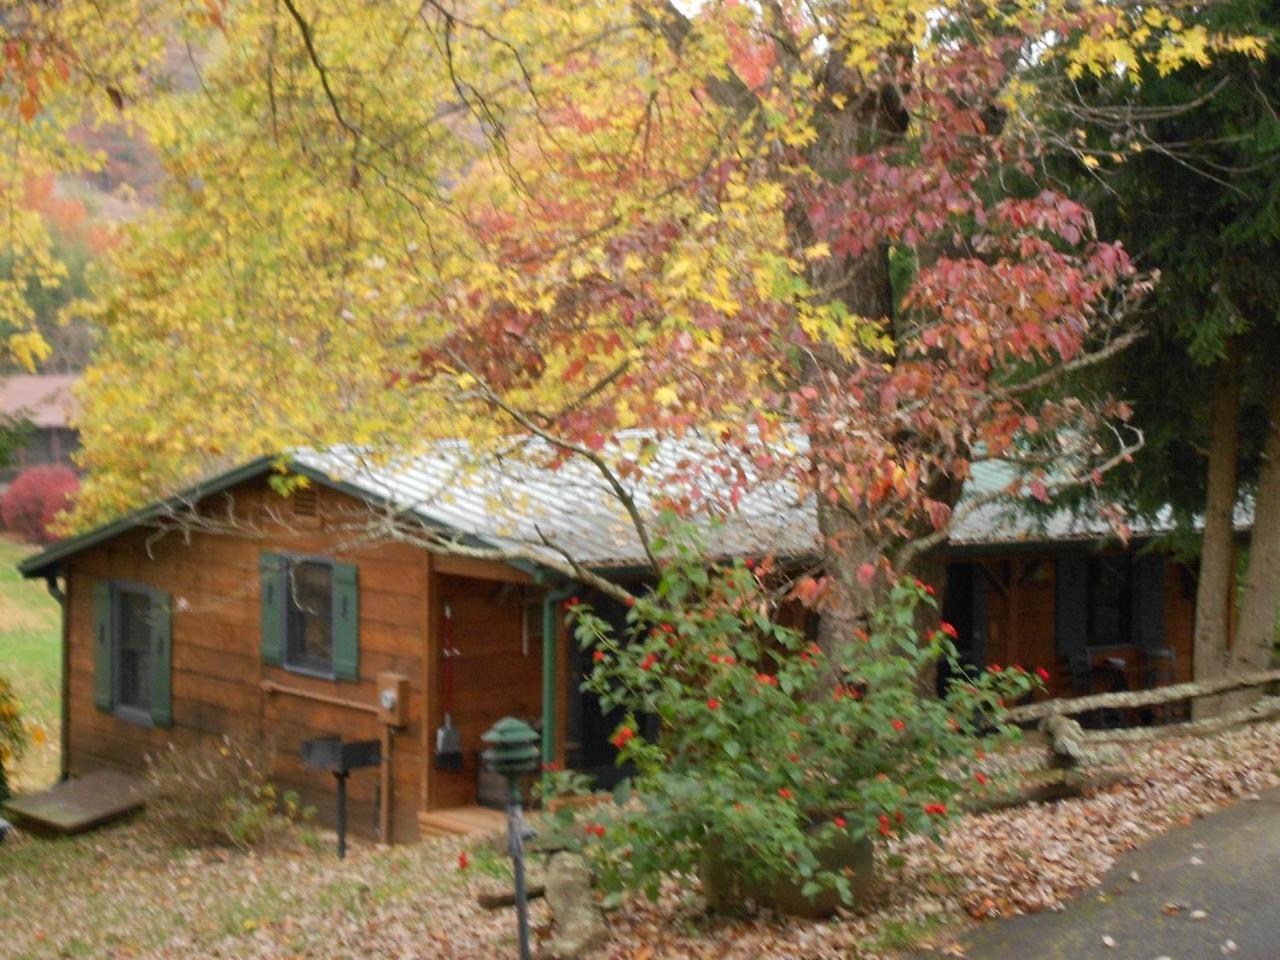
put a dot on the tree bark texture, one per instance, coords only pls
(1211, 657)
(1256, 630)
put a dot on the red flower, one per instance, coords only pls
(861, 635)
(713, 704)
(793, 757)
(622, 736)
(631, 601)
(574, 601)
(714, 658)
(749, 563)
(981, 778)
(595, 829)
(1016, 668)
(885, 828)
(668, 628)
(1043, 674)
(841, 822)
(730, 660)
(598, 656)
(936, 809)
(898, 725)
(995, 668)
(815, 649)
(649, 660)
(463, 862)
(784, 793)
(766, 680)
(551, 766)
(949, 630)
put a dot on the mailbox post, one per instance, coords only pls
(514, 752)
(339, 758)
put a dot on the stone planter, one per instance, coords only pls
(727, 889)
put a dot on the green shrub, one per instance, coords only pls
(768, 745)
(219, 793)
(14, 735)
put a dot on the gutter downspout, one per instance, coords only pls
(553, 598)
(64, 735)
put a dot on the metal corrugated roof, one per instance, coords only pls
(522, 499)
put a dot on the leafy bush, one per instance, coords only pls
(219, 793)
(35, 499)
(770, 746)
(14, 735)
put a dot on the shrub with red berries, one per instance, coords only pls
(767, 742)
(34, 500)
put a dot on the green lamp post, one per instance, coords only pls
(514, 752)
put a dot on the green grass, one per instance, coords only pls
(30, 657)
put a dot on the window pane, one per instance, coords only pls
(309, 642)
(133, 649)
(1110, 600)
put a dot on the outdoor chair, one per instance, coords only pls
(1084, 678)
(1161, 671)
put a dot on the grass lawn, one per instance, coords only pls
(30, 657)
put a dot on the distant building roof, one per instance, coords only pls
(44, 399)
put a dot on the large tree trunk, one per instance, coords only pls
(1256, 629)
(1217, 554)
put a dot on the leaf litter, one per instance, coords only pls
(118, 893)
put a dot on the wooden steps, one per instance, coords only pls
(459, 821)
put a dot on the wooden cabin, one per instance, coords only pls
(295, 623)
(292, 630)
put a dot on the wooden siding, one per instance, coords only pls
(217, 665)
(1021, 626)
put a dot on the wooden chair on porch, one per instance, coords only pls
(1161, 671)
(1084, 679)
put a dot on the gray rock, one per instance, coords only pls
(580, 927)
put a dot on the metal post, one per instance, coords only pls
(342, 814)
(515, 846)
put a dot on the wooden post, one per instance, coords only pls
(430, 647)
(384, 811)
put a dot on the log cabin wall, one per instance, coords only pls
(1021, 608)
(217, 665)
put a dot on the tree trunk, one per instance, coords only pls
(1256, 630)
(1217, 554)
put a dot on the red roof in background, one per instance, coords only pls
(45, 399)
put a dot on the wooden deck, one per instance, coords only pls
(458, 821)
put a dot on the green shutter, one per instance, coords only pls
(274, 596)
(1148, 601)
(103, 649)
(161, 659)
(1071, 604)
(346, 623)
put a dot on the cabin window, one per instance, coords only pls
(310, 615)
(133, 650)
(1110, 600)
(309, 618)
(132, 655)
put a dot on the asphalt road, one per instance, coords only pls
(1202, 892)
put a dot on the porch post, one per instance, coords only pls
(550, 602)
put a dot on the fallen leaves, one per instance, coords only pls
(116, 893)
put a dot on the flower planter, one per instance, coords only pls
(728, 888)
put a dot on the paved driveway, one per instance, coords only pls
(1202, 892)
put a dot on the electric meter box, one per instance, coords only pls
(393, 699)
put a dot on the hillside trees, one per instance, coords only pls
(817, 236)
(1202, 205)
(64, 65)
